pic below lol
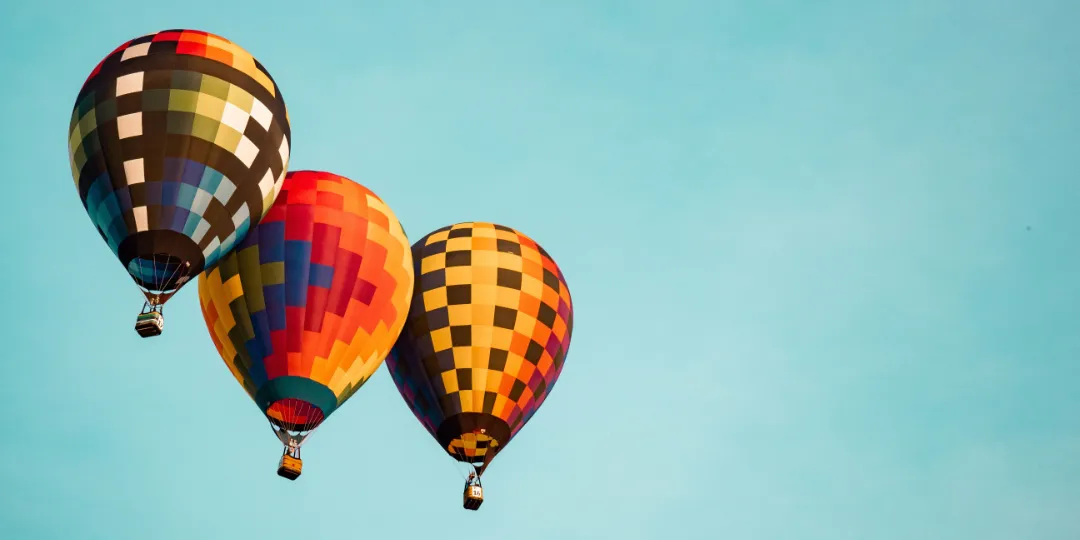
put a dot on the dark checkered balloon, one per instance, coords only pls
(179, 142)
(486, 337)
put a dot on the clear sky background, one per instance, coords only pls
(824, 258)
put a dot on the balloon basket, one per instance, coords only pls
(474, 497)
(289, 467)
(150, 324)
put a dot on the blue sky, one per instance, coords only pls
(808, 301)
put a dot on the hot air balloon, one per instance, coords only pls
(309, 304)
(486, 337)
(179, 142)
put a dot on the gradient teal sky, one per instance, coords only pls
(808, 301)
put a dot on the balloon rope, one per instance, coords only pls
(171, 276)
(153, 259)
(300, 418)
(308, 426)
(464, 459)
(142, 271)
(163, 295)
(290, 420)
(309, 416)
(291, 414)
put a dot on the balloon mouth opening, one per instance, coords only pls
(297, 415)
(159, 272)
(473, 447)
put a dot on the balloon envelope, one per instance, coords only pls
(487, 334)
(309, 304)
(178, 142)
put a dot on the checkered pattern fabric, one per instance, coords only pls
(178, 142)
(487, 334)
(309, 304)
